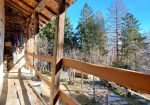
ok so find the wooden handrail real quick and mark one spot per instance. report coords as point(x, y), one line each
point(67, 99)
point(42, 57)
point(131, 79)
point(46, 80)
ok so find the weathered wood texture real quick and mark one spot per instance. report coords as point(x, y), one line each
point(58, 49)
point(35, 32)
point(131, 79)
point(16, 91)
point(48, 8)
point(67, 99)
point(42, 57)
point(128, 78)
point(46, 80)
point(13, 22)
point(26, 31)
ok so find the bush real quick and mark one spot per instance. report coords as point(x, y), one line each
point(118, 64)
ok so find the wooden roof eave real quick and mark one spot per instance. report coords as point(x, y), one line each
point(25, 14)
point(27, 8)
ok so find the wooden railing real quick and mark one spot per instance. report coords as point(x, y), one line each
point(130, 79)
point(66, 98)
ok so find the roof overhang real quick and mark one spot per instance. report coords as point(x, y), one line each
point(47, 9)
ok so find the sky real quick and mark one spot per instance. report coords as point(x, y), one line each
point(139, 8)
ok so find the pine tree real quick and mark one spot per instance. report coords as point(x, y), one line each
point(48, 32)
point(132, 40)
point(86, 31)
point(101, 40)
point(68, 35)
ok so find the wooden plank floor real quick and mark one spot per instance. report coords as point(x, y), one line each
point(16, 91)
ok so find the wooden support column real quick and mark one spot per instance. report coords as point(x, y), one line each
point(2, 33)
point(35, 31)
point(58, 51)
point(26, 39)
point(29, 45)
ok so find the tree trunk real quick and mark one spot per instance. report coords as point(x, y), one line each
point(93, 88)
point(82, 82)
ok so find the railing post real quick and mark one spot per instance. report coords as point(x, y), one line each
point(33, 31)
point(26, 40)
point(58, 51)
point(29, 45)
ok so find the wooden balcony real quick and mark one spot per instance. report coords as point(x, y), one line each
point(34, 15)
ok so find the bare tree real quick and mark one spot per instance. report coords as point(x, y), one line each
point(115, 13)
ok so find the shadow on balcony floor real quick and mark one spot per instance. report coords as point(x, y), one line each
point(15, 89)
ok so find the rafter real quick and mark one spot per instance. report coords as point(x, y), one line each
point(41, 24)
point(13, 6)
point(49, 9)
point(68, 2)
point(22, 2)
point(22, 5)
point(44, 10)
point(41, 5)
point(30, 4)
point(39, 8)
point(14, 16)
point(43, 16)
point(43, 20)
point(47, 13)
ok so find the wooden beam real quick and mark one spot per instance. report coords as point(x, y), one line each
point(13, 19)
point(49, 9)
point(26, 31)
point(12, 15)
point(41, 5)
point(20, 10)
point(46, 80)
point(41, 19)
point(68, 2)
point(58, 49)
point(22, 4)
point(47, 13)
point(43, 16)
point(67, 99)
point(131, 79)
point(28, 3)
point(36, 22)
point(41, 24)
point(35, 31)
point(42, 57)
